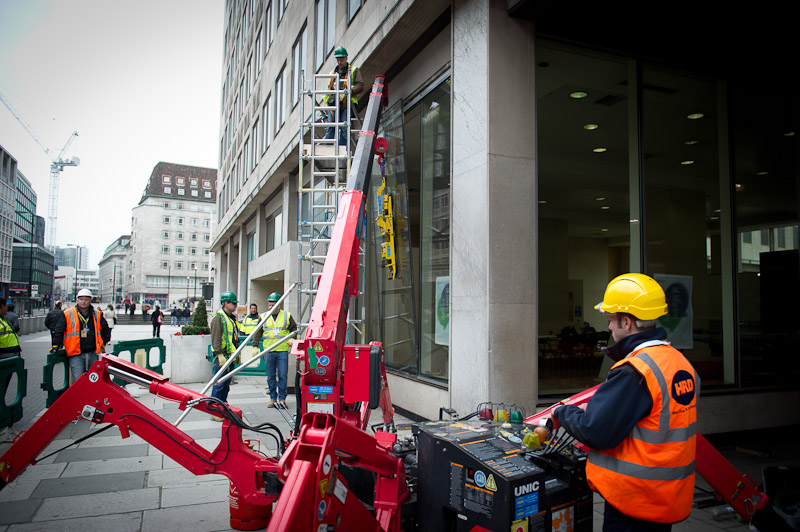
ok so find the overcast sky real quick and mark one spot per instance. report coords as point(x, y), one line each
point(140, 83)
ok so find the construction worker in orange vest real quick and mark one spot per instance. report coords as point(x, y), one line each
point(641, 423)
point(84, 333)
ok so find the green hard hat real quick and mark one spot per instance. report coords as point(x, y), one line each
point(340, 52)
point(273, 297)
point(228, 297)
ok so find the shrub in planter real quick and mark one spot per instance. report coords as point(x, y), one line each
point(199, 321)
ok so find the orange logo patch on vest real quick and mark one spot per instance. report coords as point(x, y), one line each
point(683, 388)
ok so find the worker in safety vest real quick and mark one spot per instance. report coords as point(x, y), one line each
point(224, 341)
point(250, 321)
point(83, 332)
point(347, 74)
point(276, 327)
point(641, 423)
point(9, 341)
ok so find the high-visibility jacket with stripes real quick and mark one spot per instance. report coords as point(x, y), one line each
point(650, 475)
point(249, 324)
point(229, 332)
point(9, 341)
point(72, 336)
point(276, 328)
point(343, 84)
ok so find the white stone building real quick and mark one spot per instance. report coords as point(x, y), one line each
point(112, 270)
point(168, 258)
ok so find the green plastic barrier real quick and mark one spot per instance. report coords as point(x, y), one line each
point(10, 414)
point(53, 393)
point(260, 368)
point(139, 354)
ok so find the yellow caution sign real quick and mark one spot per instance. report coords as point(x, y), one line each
point(491, 485)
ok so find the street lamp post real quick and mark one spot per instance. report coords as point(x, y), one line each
point(187, 288)
point(195, 281)
point(169, 276)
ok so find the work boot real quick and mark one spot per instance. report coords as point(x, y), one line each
point(216, 418)
point(271, 404)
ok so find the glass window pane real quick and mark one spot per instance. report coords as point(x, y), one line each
point(682, 202)
point(435, 233)
point(394, 310)
point(584, 209)
point(765, 198)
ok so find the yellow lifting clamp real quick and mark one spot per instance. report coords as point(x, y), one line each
point(385, 219)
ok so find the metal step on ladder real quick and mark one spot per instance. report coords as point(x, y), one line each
point(323, 170)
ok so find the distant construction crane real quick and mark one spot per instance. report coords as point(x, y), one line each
point(56, 166)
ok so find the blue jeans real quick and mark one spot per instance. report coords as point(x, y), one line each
point(77, 364)
point(342, 129)
point(220, 391)
point(277, 361)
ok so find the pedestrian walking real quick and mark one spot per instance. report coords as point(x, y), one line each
point(157, 321)
point(110, 316)
point(53, 317)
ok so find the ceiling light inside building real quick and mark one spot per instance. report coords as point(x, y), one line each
point(577, 95)
point(789, 134)
point(604, 230)
point(599, 150)
point(687, 162)
point(605, 207)
point(542, 202)
point(762, 173)
point(599, 198)
point(590, 126)
point(739, 187)
point(695, 116)
point(691, 142)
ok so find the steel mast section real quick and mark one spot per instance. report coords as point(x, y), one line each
point(56, 166)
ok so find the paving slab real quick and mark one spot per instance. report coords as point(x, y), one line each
point(118, 465)
point(18, 511)
point(40, 471)
point(97, 504)
point(102, 453)
point(195, 493)
point(174, 477)
point(129, 522)
point(211, 517)
point(19, 490)
point(63, 487)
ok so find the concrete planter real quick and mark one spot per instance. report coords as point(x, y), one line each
point(188, 358)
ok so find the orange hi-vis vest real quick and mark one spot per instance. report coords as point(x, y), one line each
point(650, 475)
point(72, 336)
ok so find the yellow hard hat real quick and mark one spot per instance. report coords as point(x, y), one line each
point(636, 294)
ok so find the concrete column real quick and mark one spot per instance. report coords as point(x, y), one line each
point(494, 220)
point(241, 289)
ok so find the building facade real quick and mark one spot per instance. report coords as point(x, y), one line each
point(112, 270)
point(8, 194)
point(535, 155)
point(168, 258)
point(73, 256)
point(33, 265)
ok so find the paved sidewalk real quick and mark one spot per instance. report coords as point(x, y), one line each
point(110, 483)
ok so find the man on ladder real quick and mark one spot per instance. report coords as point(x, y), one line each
point(347, 74)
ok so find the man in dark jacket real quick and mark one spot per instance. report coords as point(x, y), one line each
point(12, 318)
point(53, 317)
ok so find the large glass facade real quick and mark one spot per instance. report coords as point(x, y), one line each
point(413, 307)
point(688, 177)
point(584, 204)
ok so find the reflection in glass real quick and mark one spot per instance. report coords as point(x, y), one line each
point(584, 222)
